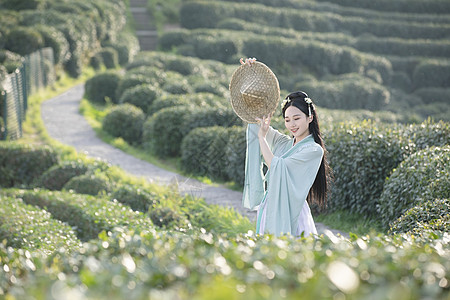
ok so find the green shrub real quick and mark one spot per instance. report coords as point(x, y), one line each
point(165, 217)
point(361, 156)
point(89, 215)
point(132, 80)
point(217, 161)
point(210, 87)
point(102, 86)
point(431, 215)
point(26, 227)
point(136, 198)
point(127, 46)
point(163, 131)
point(194, 150)
point(181, 65)
point(221, 49)
point(126, 121)
point(55, 39)
point(433, 95)
point(428, 134)
point(177, 87)
point(109, 57)
point(96, 61)
point(21, 165)
point(423, 176)
point(432, 73)
point(348, 94)
point(22, 4)
point(24, 40)
point(141, 96)
point(57, 176)
point(210, 116)
point(88, 184)
point(173, 38)
point(234, 154)
point(194, 100)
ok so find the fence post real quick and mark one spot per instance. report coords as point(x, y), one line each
point(5, 114)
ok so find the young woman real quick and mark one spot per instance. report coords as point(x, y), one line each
point(297, 170)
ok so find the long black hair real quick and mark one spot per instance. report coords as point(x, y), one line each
point(318, 192)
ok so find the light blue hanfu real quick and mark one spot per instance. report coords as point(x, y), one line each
point(282, 206)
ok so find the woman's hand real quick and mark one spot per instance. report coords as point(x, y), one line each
point(264, 124)
point(248, 61)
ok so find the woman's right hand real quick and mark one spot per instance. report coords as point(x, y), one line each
point(264, 124)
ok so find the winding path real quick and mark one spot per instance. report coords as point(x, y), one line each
point(65, 124)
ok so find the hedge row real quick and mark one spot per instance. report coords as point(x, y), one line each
point(21, 165)
point(74, 30)
point(196, 14)
point(26, 227)
point(89, 215)
point(280, 53)
point(363, 155)
point(362, 12)
point(371, 44)
point(198, 265)
point(423, 176)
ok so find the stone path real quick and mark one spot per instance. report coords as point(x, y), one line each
point(65, 124)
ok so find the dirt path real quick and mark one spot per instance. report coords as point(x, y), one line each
point(65, 124)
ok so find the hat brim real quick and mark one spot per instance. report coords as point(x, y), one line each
point(254, 91)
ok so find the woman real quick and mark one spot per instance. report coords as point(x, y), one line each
point(297, 170)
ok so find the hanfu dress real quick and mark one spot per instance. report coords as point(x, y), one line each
point(280, 195)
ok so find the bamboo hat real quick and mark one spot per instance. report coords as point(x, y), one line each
point(255, 91)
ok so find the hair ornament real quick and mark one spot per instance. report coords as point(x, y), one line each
point(309, 102)
point(285, 102)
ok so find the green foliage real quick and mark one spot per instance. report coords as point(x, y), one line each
point(22, 4)
point(21, 165)
point(57, 176)
point(136, 198)
point(177, 87)
point(210, 116)
point(126, 45)
point(165, 217)
point(89, 184)
point(55, 39)
point(197, 99)
point(132, 80)
point(348, 93)
point(102, 86)
point(433, 95)
point(423, 176)
point(126, 121)
point(201, 265)
point(432, 73)
point(428, 134)
point(141, 96)
point(195, 149)
point(24, 40)
point(88, 215)
point(431, 215)
point(210, 87)
point(234, 154)
point(361, 156)
point(26, 227)
point(109, 57)
point(163, 131)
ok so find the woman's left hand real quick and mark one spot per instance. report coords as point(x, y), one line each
point(264, 124)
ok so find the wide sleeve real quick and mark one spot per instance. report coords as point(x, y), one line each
point(290, 179)
point(254, 178)
point(277, 140)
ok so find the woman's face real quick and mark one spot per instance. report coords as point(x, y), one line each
point(297, 122)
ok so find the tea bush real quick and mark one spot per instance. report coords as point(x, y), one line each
point(210, 116)
point(57, 176)
point(26, 227)
point(163, 131)
point(109, 57)
point(235, 155)
point(428, 134)
point(210, 87)
point(431, 215)
point(194, 100)
point(165, 217)
point(126, 121)
point(168, 264)
point(177, 87)
point(88, 215)
point(21, 165)
point(423, 176)
point(24, 40)
point(432, 73)
point(102, 86)
point(136, 198)
point(88, 184)
point(141, 96)
point(132, 80)
point(361, 156)
point(194, 149)
point(433, 95)
point(55, 39)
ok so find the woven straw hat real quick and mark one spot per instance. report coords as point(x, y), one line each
point(255, 91)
